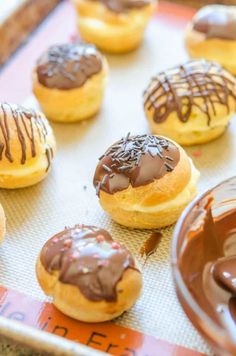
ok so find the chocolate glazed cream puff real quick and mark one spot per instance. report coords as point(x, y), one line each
point(115, 26)
point(91, 277)
point(69, 81)
point(191, 103)
point(145, 181)
point(27, 146)
point(212, 35)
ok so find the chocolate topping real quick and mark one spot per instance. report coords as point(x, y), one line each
point(120, 6)
point(21, 116)
point(208, 258)
point(196, 84)
point(136, 160)
point(216, 22)
point(150, 245)
point(68, 66)
point(87, 257)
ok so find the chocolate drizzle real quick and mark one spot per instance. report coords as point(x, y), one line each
point(196, 84)
point(136, 160)
point(216, 22)
point(27, 124)
point(87, 257)
point(120, 6)
point(68, 66)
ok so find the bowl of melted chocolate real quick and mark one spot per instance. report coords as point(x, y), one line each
point(204, 265)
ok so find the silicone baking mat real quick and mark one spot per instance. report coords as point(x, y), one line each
point(67, 196)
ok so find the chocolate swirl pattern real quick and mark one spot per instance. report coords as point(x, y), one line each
point(120, 6)
point(196, 84)
point(68, 66)
point(87, 257)
point(135, 160)
point(28, 124)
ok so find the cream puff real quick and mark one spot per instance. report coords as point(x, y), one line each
point(115, 26)
point(91, 277)
point(191, 103)
point(27, 146)
point(212, 35)
point(69, 81)
point(2, 223)
point(145, 181)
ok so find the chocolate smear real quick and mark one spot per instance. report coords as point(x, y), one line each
point(151, 244)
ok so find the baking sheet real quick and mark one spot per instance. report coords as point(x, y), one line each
point(67, 196)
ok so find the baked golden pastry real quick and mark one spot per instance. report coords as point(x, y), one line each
point(91, 277)
point(145, 181)
point(27, 146)
point(191, 103)
point(114, 26)
point(212, 35)
point(2, 223)
point(69, 81)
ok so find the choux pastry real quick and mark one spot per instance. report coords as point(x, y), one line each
point(212, 35)
point(114, 26)
point(69, 81)
point(27, 146)
point(191, 103)
point(91, 277)
point(145, 181)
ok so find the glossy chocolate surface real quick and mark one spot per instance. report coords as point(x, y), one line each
point(208, 259)
point(87, 257)
point(28, 124)
point(196, 85)
point(68, 66)
point(136, 161)
point(151, 244)
point(216, 22)
point(119, 6)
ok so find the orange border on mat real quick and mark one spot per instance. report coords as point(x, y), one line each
point(107, 337)
point(167, 9)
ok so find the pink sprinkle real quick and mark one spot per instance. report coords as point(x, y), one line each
point(74, 37)
point(55, 240)
point(197, 153)
point(103, 263)
point(67, 243)
point(115, 245)
point(96, 255)
point(100, 238)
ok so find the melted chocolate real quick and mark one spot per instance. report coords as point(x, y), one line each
point(120, 6)
point(179, 90)
point(68, 66)
point(87, 257)
point(208, 259)
point(28, 124)
point(150, 245)
point(224, 272)
point(216, 22)
point(136, 160)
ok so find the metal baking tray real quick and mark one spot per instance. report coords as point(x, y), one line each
point(67, 196)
